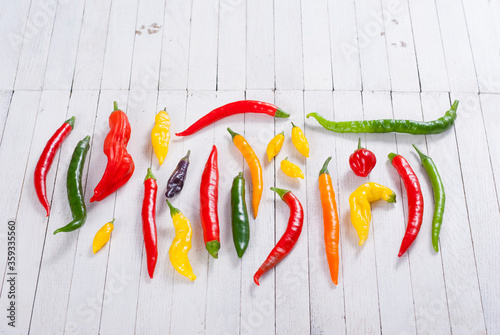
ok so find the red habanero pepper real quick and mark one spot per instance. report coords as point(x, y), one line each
point(362, 161)
point(46, 159)
point(209, 198)
point(415, 200)
point(120, 165)
point(238, 107)
point(289, 238)
point(149, 221)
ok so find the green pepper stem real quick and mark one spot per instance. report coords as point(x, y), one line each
point(282, 133)
point(281, 113)
point(173, 210)
point(281, 192)
point(454, 106)
point(112, 221)
point(186, 158)
point(391, 156)
point(293, 125)
point(240, 175)
point(115, 105)
point(324, 169)
point(71, 122)
point(165, 109)
point(213, 248)
point(359, 143)
point(233, 134)
point(392, 198)
point(86, 139)
point(420, 154)
point(149, 175)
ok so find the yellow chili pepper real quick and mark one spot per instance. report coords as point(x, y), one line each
point(255, 168)
point(290, 169)
point(359, 202)
point(160, 135)
point(181, 244)
point(102, 236)
point(299, 140)
point(275, 145)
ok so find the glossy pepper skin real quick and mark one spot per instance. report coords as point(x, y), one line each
point(176, 181)
point(239, 215)
point(46, 159)
point(275, 145)
point(255, 168)
point(102, 236)
point(209, 200)
point(415, 200)
point(149, 221)
point(330, 220)
point(74, 187)
point(289, 238)
point(120, 165)
point(178, 252)
point(290, 169)
point(233, 108)
point(390, 125)
point(439, 196)
point(160, 135)
point(362, 161)
point(299, 140)
point(359, 202)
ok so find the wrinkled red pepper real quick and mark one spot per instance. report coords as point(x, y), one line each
point(362, 161)
point(149, 221)
point(209, 198)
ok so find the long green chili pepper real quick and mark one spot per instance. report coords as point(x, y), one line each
point(74, 187)
point(390, 125)
point(439, 196)
point(240, 222)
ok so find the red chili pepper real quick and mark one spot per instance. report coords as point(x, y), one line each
point(289, 238)
point(209, 198)
point(149, 221)
point(120, 165)
point(415, 200)
point(46, 159)
point(362, 161)
point(238, 107)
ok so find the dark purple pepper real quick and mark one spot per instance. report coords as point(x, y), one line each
point(176, 181)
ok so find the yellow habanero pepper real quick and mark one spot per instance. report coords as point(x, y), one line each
point(290, 169)
point(102, 236)
point(275, 145)
point(160, 135)
point(181, 244)
point(359, 201)
point(299, 140)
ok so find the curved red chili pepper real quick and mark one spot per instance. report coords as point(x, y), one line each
point(238, 107)
point(289, 238)
point(149, 221)
point(209, 198)
point(415, 200)
point(46, 159)
point(120, 165)
point(362, 161)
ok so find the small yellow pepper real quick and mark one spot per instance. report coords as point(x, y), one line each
point(181, 244)
point(160, 135)
point(359, 201)
point(274, 146)
point(299, 140)
point(290, 169)
point(102, 236)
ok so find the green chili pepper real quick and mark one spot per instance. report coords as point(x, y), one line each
point(390, 125)
point(439, 196)
point(240, 222)
point(74, 187)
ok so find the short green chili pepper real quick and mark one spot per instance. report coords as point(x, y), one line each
point(439, 196)
point(390, 125)
point(240, 222)
point(74, 187)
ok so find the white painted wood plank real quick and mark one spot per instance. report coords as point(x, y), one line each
point(175, 45)
point(344, 45)
point(203, 44)
point(292, 275)
point(12, 28)
point(289, 70)
point(482, 204)
point(316, 45)
point(257, 306)
point(37, 36)
point(147, 45)
point(428, 46)
point(64, 46)
point(120, 45)
point(462, 291)
point(231, 63)
point(260, 45)
point(326, 299)
point(489, 104)
point(5, 99)
point(92, 45)
point(456, 46)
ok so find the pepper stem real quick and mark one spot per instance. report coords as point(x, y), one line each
point(391, 156)
point(213, 248)
point(282, 133)
point(281, 192)
point(359, 143)
point(324, 169)
point(454, 106)
point(86, 139)
point(187, 155)
point(233, 134)
point(149, 175)
point(420, 154)
point(115, 105)
point(112, 221)
point(173, 210)
point(71, 122)
point(240, 175)
point(281, 113)
point(293, 125)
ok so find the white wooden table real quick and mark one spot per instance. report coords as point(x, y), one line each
point(349, 59)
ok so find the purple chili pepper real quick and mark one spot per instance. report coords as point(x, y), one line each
point(176, 180)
